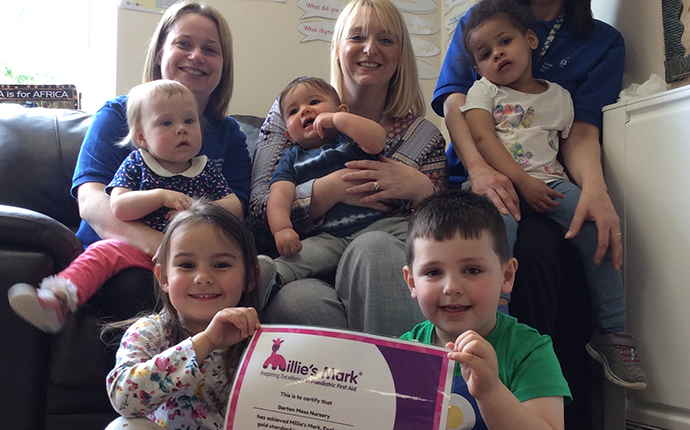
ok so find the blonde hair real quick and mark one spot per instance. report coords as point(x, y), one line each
point(146, 91)
point(404, 93)
point(220, 97)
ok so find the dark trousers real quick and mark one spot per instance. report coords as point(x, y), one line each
point(551, 295)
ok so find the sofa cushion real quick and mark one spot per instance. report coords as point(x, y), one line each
point(39, 148)
point(250, 126)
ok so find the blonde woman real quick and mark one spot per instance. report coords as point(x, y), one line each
point(374, 70)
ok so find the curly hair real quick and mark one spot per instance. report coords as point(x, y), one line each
point(518, 14)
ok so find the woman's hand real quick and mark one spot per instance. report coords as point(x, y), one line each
point(228, 327)
point(582, 155)
point(538, 194)
point(332, 188)
point(487, 181)
point(386, 179)
point(598, 208)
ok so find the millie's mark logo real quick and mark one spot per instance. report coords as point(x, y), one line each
point(276, 360)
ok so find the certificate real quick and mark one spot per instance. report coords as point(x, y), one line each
point(299, 378)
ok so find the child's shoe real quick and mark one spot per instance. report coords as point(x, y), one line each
point(618, 356)
point(40, 307)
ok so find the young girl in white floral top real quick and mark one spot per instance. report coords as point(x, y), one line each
point(175, 367)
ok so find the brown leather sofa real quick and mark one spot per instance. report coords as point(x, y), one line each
point(56, 382)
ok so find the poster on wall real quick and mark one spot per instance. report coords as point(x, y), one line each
point(297, 377)
point(329, 9)
point(418, 25)
point(316, 30)
point(416, 6)
point(455, 10)
point(48, 96)
point(426, 70)
point(156, 6)
point(410, 9)
point(464, 5)
point(422, 48)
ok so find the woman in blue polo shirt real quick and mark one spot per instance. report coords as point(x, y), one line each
point(586, 57)
point(191, 45)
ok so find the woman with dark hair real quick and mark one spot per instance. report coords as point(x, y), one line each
point(586, 57)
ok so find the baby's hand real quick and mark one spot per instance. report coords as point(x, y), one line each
point(538, 195)
point(478, 361)
point(287, 242)
point(230, 326)
point(324, 122)
point(175, 200)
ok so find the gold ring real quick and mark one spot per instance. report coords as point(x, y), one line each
point(377, 186)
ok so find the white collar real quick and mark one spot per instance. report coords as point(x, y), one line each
point(198, 164)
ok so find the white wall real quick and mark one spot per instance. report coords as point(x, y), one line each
point(100, 61)
point(268, 53)
point(639, 21)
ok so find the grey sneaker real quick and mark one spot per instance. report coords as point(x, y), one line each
point(618, 356)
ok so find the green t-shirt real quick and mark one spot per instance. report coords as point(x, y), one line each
point(527, 365)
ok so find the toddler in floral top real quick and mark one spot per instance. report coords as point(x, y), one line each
point(175, 368)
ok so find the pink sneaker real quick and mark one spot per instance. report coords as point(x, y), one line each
point(39, 307)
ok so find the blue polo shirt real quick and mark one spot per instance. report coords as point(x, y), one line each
point(589, 67)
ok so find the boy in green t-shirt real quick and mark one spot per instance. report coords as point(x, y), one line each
point(507, 376)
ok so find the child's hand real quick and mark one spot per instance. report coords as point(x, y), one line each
point(479, 363)
point(538, 195)
point(324, 122)
point(230, 326)
point(287, 242)
point(175, 200)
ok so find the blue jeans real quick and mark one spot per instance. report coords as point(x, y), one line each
point(605, 282)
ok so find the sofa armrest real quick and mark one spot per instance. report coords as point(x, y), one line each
point(32, 246)
point(29, 230)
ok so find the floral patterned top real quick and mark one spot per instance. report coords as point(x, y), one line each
point(164, 382)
